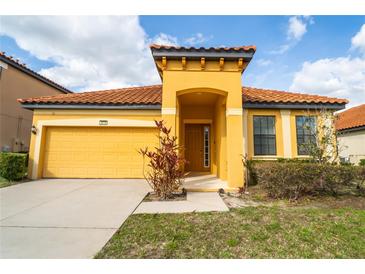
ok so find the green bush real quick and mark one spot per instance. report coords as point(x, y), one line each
point(362, 162)
point(293, 180)
point(13, 166)
point(251, 175)
point(295, 160)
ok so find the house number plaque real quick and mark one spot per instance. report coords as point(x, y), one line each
point(103, 122)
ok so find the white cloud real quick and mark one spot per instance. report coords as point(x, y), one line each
point(282, 49)
point(197, 39)
point(358, 41)
point(342, 77)
point(297, 27)
point(165, 39)
point(91, 52)
point(263, 62)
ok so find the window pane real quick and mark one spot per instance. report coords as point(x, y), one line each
point(206, 146)
point(264, 135)
point(306, 130)
point(256, 125)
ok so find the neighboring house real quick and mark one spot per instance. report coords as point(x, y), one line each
point(97, 134)
point(17, 81)
point(350, 126)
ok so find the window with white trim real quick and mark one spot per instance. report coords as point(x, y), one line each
point(264, 135)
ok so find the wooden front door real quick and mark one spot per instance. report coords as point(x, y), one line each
point(197, 147)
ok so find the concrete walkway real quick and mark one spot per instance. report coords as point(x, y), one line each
point(64, 218)
point(195, 202)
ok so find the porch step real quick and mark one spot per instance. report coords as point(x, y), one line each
point(206, 182)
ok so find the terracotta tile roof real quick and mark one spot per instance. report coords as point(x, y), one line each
point(351, 118)
point(151, 95)
point(202, 49)
point(147, 95)
point(256, 95)
point(22, 66)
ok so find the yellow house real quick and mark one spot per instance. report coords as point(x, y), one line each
point(217, 121)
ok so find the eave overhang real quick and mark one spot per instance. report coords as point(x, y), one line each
point(91, 106)
point(246, 105)
point(318, 106)
point(352, 129)
point(163, 54)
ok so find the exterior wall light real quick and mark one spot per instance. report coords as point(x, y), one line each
point(34, 129)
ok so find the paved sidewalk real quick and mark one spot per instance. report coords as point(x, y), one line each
point(196, 201)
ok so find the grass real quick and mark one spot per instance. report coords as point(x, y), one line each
point(251, 232)
point(5, 183)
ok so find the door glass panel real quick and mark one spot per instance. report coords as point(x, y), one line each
point(206, 147)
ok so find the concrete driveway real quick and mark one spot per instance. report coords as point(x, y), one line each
point(64, 218)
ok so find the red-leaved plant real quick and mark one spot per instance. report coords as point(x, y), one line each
point(165, 175)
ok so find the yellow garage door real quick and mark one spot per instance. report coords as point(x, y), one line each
point(90, 152)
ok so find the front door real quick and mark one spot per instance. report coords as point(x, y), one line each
point(197, 147)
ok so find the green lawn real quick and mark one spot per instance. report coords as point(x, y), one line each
point(4, 182)
point(252, 232)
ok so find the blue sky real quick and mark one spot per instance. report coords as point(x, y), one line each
point(305, 54)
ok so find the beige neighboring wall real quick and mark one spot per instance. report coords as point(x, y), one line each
point(352, 145)
point(15, 121)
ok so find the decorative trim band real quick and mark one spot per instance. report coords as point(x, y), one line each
point(234, 112)
point(168, 111)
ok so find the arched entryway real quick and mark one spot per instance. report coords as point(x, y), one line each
point(202, 130)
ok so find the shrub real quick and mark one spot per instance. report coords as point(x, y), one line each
point(13, 166)
point(362, 162)
point(250, 175)
point(294, 180)
point(165, 175)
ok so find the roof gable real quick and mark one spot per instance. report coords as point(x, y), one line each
point(22, 67)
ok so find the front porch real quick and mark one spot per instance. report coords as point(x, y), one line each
point(211, 140)
point(205, 181)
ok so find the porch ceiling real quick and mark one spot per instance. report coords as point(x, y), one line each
point(198, 98)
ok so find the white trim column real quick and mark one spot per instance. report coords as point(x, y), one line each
point(285, 121)
point(245, 131)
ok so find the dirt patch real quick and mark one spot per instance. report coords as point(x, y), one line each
point(152, 197)
point(255, 196)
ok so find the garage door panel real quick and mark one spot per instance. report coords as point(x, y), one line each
point(83, 152)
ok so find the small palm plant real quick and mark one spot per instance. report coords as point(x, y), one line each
point(164, 175)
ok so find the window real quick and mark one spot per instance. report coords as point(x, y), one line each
point(264, 135)
point(206, 146)
point(306, 133)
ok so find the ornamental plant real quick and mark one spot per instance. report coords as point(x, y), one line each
point(164, 175)
point(13, 166)
point(324, 149)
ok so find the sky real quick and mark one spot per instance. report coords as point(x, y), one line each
point(322, 55)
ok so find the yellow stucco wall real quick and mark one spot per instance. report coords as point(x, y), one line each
point(226, 84)
point(280, 128)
